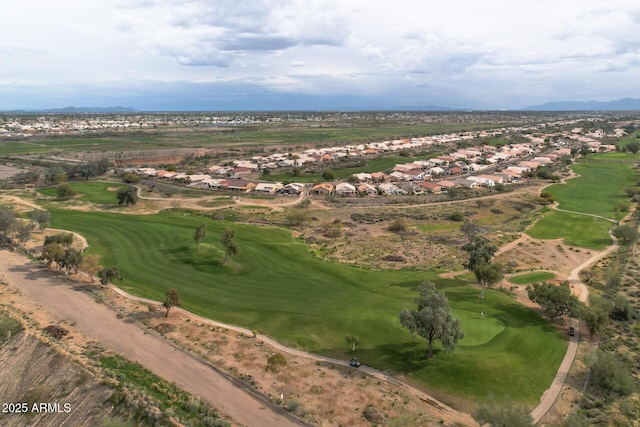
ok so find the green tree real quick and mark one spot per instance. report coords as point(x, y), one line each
point(171, 299)
point(64, 191)
point(610, 377)
point(71, 260)
point(275, 363)
point(555, 300)
point(596, 319)
point(200, 234)
point(480, 251)
point(470, 229)
point(400, 225)
point(52, 252)
point(622, 308)
point(41, 218)
point(353, 340)
point(227, 241)
point(107, 275)
point(433, 319)
point(131, 178)
point(64, 239)
point(297, 217)
point(503, 414)
point(487, 274)
point(329, 175)
point(633, 147)
point(7, 220)
point(127, 196)
point(479, 262)
point(90, 265)
point(23, 232)
point(626, 232)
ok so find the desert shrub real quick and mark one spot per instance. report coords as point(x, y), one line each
point(393, 258)
point(399, 225)
point(56, 332)
point(457, 216)
point(610, 377)
point(374, 415)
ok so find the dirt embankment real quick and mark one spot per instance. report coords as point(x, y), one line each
point(48, 385)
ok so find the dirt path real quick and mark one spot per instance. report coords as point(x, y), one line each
point(549, 397)
point(119, 335)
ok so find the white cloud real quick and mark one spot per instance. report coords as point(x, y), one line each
point(494, 53)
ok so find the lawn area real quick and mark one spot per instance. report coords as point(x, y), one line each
point(599, 188)
point(275, 286)
point(576, 229)
point(101, 193)
point(534, 277)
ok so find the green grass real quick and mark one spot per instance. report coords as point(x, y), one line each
point(8, 327)
point(249, 135)
point(275, 286)
point(534, 277)
point(93, 192)
point(598, 189)
point(575, 229)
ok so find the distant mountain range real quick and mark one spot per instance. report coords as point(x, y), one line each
point(78, 110)
point(625, 104)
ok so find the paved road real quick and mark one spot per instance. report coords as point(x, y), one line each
point(101, 324)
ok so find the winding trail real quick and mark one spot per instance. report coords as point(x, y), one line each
point(551, 394)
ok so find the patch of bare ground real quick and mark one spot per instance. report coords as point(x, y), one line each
point(533, 254)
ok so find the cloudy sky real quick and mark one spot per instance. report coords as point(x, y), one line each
point(317, 54)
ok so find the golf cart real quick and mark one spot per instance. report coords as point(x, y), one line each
point(354, 362)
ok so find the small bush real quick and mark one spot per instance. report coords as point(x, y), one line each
point(56, 332)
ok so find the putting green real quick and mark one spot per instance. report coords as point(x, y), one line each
point(478, 330)
point(533, 277)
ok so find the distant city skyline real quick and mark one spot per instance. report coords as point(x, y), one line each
point(178, 55)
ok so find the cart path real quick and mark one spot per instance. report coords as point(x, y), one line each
point(98, 322)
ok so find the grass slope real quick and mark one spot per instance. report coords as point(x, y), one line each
point(100, 193)
point(598, 189)
point(275, 285)
point(575, 229)
point(536, 276)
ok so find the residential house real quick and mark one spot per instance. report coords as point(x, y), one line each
point(363, 177)
point(367, 189)
point(345, 189)
point(431, 187)
point(467, 183)
point(415, 175)
point(380, 177)
point(293, 188)
point(267, 187)
point(485, 182)
point(240, 185)
point(390, 189)
point(324, 188)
